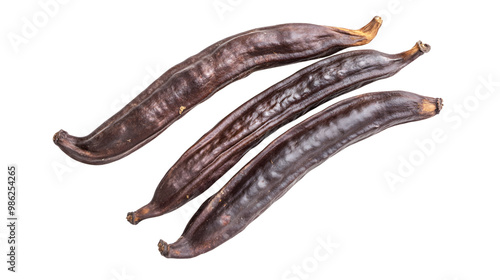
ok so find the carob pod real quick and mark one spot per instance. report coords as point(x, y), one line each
point(288, 158)
point(199, 77)
point(226, 143)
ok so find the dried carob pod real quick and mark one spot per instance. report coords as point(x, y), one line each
point(226, 143)
point(193, 81)
point(288, 158)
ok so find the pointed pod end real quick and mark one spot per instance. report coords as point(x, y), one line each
point(363, 35)
point(374, 24)
point(163, 248)
point(78, 149)
point(377, 19)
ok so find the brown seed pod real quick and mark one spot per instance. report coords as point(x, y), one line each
point(193, 81)
point(288, 158)
point(226, 143)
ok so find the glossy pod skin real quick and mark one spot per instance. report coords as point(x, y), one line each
point(226, 143)
point(193, 81)
point(288, 158)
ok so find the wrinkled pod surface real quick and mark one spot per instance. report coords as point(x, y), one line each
point(269, 175)
point(226, 143)
point(191, 82)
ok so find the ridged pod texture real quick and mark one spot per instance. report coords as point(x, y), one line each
point(199, 77)
point(226, 143)
point(288, 158)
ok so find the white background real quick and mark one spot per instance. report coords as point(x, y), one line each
point(86, 59)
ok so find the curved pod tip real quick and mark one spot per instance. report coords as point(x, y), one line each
point(375, 23)
point(59, 135)
point(431, 106)
point(367, 32)
point(163, 248)
point(425, 48)
point(371, 29)
point(64, 141)
point(417, 50)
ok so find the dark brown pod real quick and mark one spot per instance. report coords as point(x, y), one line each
point(191, 82)
point(288, 158)
point(226, 143)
